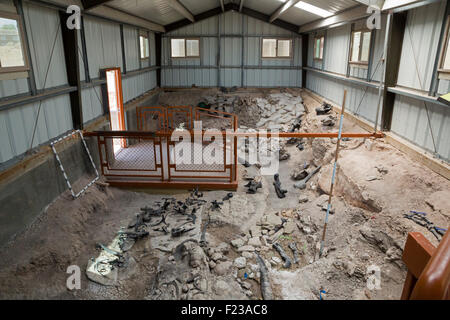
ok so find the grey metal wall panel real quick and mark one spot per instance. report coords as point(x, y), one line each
point(43, 26)
point(240, 39)
point(203, 77)
point(337, 49)
point(17, 125)
point(258, 27)
point(204, 27)
point(13, 87)
point(409, 120)
point(358, 103)
point(231, 23)
point(423, 26)
point(131, 48)
point(92, 103)
point(231, 51)
point(103, 45)
point(444, 86)
point(270, 78)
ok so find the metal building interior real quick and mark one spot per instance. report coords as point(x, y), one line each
point(225, 149)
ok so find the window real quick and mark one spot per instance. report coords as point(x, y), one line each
point(360, 47)
point(143, 42)
point(318, 47)
point(276, 48)
point(444, 60)
point(12, 52)
point(185, 48)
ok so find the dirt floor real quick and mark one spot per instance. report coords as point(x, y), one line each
point(376, 185)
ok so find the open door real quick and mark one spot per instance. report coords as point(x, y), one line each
point(115, 103)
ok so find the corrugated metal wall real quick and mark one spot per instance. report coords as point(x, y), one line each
point(240, 55)
point(103, 45)
point(409, 119)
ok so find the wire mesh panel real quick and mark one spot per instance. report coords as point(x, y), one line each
point(200, 155)
point(168, 148)
point(151, 118)
point(217, 120)
point(179, 117)
point(132, 157)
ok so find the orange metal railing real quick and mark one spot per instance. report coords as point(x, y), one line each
point(428, 275)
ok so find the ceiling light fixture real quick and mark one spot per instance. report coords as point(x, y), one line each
point(313, 9)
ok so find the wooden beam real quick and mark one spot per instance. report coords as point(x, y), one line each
point(181, 9)
point(222, 6)
point(350, 15)
point(70, 42)
point(89, 4)
point(393, 54)
point(241, 5)
point(285, 7)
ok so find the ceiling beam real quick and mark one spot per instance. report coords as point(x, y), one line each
point(241, 5)
point(285, 7)
point(346, 16)
point(222, 5)
point(176, 5)
point(232, 7)
point(124, 17)
point(89, 4)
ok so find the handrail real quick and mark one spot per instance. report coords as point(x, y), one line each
point(267, 134)
point(434, 281)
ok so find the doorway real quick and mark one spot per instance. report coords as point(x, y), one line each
point(115, 103)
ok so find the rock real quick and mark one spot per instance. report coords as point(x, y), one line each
point(440, 201)
point(240, 262)
point(217, 256)
point(325, 208)
point(246, 248)
point(255, 231)
point(223, 268)
point(255, 241)
point(381, 169)
point(393, 254)
point(289, 227)
point(247, 255)
point(237, 243)
point(221, 287)
point(306, 230)
point(223, 247)
point(275, 260)
point(246, 285)
point(302, 198)
point(251, 173)
point(329, 121)
point(212, 264)
point(371, 178)
point(271, 221)
point(348, 188)
point(319, 149)
point(299, 174)
point(378, 238)
point(197, 257)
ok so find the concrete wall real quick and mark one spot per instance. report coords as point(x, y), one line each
point(419, 45)
point(230, 46)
